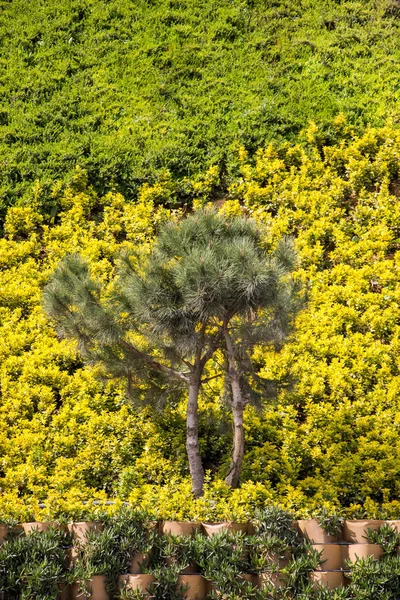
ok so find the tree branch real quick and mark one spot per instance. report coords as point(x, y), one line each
point(212, 348)
point(154, 364)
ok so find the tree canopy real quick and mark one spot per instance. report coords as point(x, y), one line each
point(203, 273)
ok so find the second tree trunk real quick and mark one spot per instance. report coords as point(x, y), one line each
point(232, 479)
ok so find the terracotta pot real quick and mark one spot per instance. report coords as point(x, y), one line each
point(394, 525)
point(80, 530)
point(191, 569)
point(278, 561)
point(34, 526)
point(3, 533)
point(72, 555)
point(196, 586)
point(180, 527)
point(332, 556)
point(64, 593)
point(251, 528)
point(136, 582)
point(295, 525)
point(250, 578)
point(137, 562)
point(213, 528)
point(329, 579)
point(97, 587)
point(354, 551)
point(356, 531)
point(312, 531)
point(276, 579)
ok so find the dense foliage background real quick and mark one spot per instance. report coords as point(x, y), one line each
point(118, 115)
point(128, 89)
point(331, 436)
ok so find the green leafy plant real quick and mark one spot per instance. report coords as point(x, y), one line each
point(222, 558)
point(298, 569)
point(177, 550)
point(386, 537)
point(372, 579)
point(330, 522)
point(265, 553)
point(33, 567)
point(110, 551)
point(275, 522)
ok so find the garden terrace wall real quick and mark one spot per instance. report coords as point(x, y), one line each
point(339, 551)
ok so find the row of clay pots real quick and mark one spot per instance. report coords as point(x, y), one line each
point(334, 555)
point(352, 531)
point(77, 530)
point(80, 530)
point(328, 579)
point(194, 587)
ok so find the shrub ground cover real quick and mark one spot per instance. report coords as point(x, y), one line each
point(329, 438)
point(128, 89)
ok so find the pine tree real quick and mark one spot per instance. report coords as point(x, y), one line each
point(207, 284)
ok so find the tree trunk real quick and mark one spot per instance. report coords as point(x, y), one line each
point(232, 479)
point(192, 436)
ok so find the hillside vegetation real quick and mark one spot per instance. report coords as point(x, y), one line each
point(331, 436)
point(129, 89)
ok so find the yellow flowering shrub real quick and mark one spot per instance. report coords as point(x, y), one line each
point(330, 438)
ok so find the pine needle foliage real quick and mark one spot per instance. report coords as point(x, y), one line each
point(205, 272)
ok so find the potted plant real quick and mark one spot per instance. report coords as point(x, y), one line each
point(178, 550)
point(222, 559)
point(324, 528)
point(298, 572)
point(357, 531)
point(276, 522)
point(187, 528)
point(386, 537)
point(266, 554)
point(134, 586)
point(34, 566)
point(95, 567)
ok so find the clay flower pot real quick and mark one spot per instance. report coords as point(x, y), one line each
point(195, 586)
point(332, 556)
point(139, 582)
point(312, 531)
point(64, 593)
point(356, 531)
point(276, 579)
point(97, 587)
point(250, 578)
point(72, 555)
point(80, 530)
point(3, 533)
point(278, 561)
point(137, 562)
point(354, 551)
point(213, 528)
point(395, 525)
point(329, 579)
point(34, 526)
point(180, 527)
point(191, 569)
